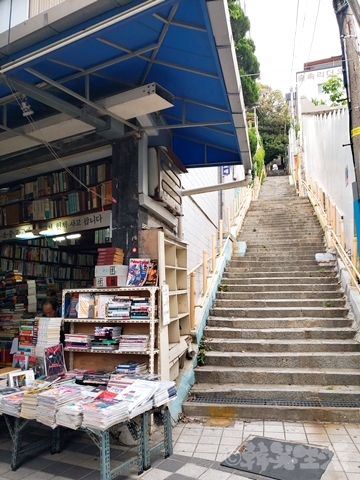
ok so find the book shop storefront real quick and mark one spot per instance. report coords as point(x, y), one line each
point(102, 115)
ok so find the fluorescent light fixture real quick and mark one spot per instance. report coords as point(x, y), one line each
point(72, 236)
point(50, 233)
point(27, 235)
point(59, 239)
point(139, 101)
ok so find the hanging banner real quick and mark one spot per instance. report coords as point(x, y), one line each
point(75, 224)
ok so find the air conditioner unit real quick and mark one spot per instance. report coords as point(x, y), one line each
point(164, 179)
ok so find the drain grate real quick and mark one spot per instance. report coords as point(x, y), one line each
point(275, 402)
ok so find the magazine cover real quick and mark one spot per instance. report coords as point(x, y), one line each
point(54, 360)
point(152, 276)
point(138, 271)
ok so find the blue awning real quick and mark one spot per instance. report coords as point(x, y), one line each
point(184, 46)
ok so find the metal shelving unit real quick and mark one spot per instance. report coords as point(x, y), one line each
point(150, 324)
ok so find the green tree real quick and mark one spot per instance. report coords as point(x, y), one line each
point(334, 87)
point(274, 122)
point(249, 67)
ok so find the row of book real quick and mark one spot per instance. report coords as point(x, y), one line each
point(97, 305)
point(33, 269)
point(59, 182)
point(47, 208)
point(50, 255)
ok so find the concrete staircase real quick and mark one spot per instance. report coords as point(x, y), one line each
point(280, 337)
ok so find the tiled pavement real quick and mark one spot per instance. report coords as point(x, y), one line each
point(199, 449)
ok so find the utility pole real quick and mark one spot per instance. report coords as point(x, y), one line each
point(355, 8)
point(351, 70)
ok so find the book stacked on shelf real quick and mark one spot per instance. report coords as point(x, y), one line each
point(106, 338)
point(73, 308)
point(132, 368)
point(28, 333)
point(110, 256)
point(96, 377)
point(118, 307)
point(134, 342)
point(110, 275)
point(78, 341)
point(31, 297)
point(140, 308)
point(48, 334)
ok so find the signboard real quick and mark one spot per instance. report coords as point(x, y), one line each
point(75, 224)
point(10, 233)
point(165, 305)
point(225, 171)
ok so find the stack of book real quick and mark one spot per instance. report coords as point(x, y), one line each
point(118, 307)
point(140, 307)
point(138, 393)
point(73, 305)
point(110, 256)
point(49, 401)
point(165, 393)
point(11, 404)
point(78, 341)
point(48, 334)
point(28, 332)
point(106, 338)
point(134, 342)
point(131, 368)
point(31, 296)
point(104, 411)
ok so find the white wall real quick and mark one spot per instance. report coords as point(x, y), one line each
point(326, 158)
point(202, 212)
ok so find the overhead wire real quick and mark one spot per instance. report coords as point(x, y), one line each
point(293, 54)
point(47, 144)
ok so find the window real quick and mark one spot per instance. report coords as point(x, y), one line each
point(14, 11)
point(320, 88)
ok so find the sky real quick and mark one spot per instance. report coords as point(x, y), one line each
point(289, 33)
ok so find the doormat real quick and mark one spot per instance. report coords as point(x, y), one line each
point(280, 460)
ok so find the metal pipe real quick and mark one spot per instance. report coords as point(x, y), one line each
point(217, 187)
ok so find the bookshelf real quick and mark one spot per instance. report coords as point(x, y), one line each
point(58, 194)
point(175, 330)
point(95, 356)
point(47, 262)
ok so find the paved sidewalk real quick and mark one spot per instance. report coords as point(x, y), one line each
point(199, 448)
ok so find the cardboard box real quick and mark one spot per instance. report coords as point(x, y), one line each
point(111, 270)
point(110, 281)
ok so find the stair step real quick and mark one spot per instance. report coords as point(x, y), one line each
point(296, 393)
point(261, 274)
point(280, 295)
point(314, 333)
point(280, 280)
point(332, 414)
point(287, 268)
point(285, 322)
point(255, 346)
point(281, 303)
point(279, 312)
point(282, 287)
point(288, 376)
point(287, 360)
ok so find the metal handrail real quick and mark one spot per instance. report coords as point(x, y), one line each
point(216, 258)
point(321, 214)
